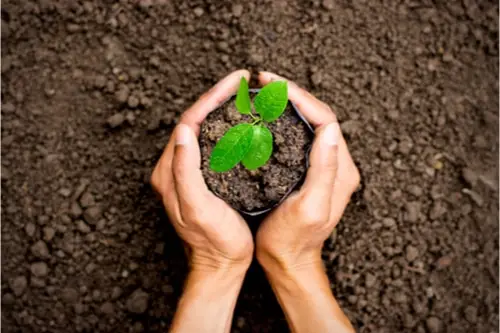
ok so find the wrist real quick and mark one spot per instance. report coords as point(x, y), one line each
point(289, 264)
point(210, 274)
point(211, 264)
point(208, 299)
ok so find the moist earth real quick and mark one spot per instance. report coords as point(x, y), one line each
point(91, 91)
point(255, 190)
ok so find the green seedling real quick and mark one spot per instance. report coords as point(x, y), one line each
point(251, 143)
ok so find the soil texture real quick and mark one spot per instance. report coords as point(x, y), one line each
point(91, 91)
point(256, 190)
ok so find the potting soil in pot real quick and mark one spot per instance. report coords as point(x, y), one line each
point(258, 189)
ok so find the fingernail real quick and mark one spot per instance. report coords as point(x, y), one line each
point(183, 135)
point(331, 134)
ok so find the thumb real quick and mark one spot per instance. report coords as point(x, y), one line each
point(323, 163)
point(189, 183)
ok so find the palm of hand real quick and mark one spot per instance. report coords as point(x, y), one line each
point(218, 236)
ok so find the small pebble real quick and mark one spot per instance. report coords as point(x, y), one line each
point(470, 313)
point(237, 10)
point(75, 210)
point(470, 177)
point(370, 280)
point(433, 325)
point(116, 120)
point(48, 233)
point(389, 222)
point(198, 11)
point(138, 302)
point(39, 269)
point(18, 285)
point(69, 295)
point(40, 250)
point(92, 215)
point(30, 229)
point(87, 200)
point(411, 253)
point(133, 102)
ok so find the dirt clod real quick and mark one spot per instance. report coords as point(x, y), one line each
point(87, 200)
point(40, 250)
point(138, 302)
point(69, 295)
point(30, 229)
point(82, 227)
point(39, 269)
point(92, 214)
point(470, 313)
point(411, 253)
point(116, 120)
point(433, 325)
point(48, 233)
point(18, 285)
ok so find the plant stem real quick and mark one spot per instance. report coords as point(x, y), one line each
point(256, 120)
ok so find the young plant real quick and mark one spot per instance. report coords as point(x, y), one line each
point(251, 143)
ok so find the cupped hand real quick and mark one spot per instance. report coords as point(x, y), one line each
point(216, 235)
point(292, 236)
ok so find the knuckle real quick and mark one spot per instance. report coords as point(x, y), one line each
point(311, 214)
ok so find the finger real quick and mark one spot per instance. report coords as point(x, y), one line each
point(212, 99)
point(163, 183)
point(323, 164)
point(315, 111)
point(188, 179)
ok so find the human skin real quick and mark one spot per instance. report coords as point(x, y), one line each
point(219, 242)
point(290, 239)
point(218, 239)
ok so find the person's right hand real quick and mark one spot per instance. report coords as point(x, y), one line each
point(292, 236)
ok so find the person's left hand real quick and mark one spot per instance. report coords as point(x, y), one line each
point(216, 234)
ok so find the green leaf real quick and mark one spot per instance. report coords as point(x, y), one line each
point(231, 148)
point(260, 150)
point(243, 98)
point(271, 100)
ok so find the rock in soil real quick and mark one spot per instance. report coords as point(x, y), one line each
point(40, 250)
point(92, 214)
point(138, 302)
point(18, 285)
point(39, 269)
point(433, 325)
point(116, 120)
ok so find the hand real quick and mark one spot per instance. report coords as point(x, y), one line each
point(216, 235)
point(293, 234)
point(290, 239)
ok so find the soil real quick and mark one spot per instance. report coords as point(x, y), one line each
point(91, 91)
point(257, 190)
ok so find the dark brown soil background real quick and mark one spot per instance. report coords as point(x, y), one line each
point(259, 189)
point(86, 246)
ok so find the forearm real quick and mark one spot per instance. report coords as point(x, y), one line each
point(208, 301)
point(307, 300)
